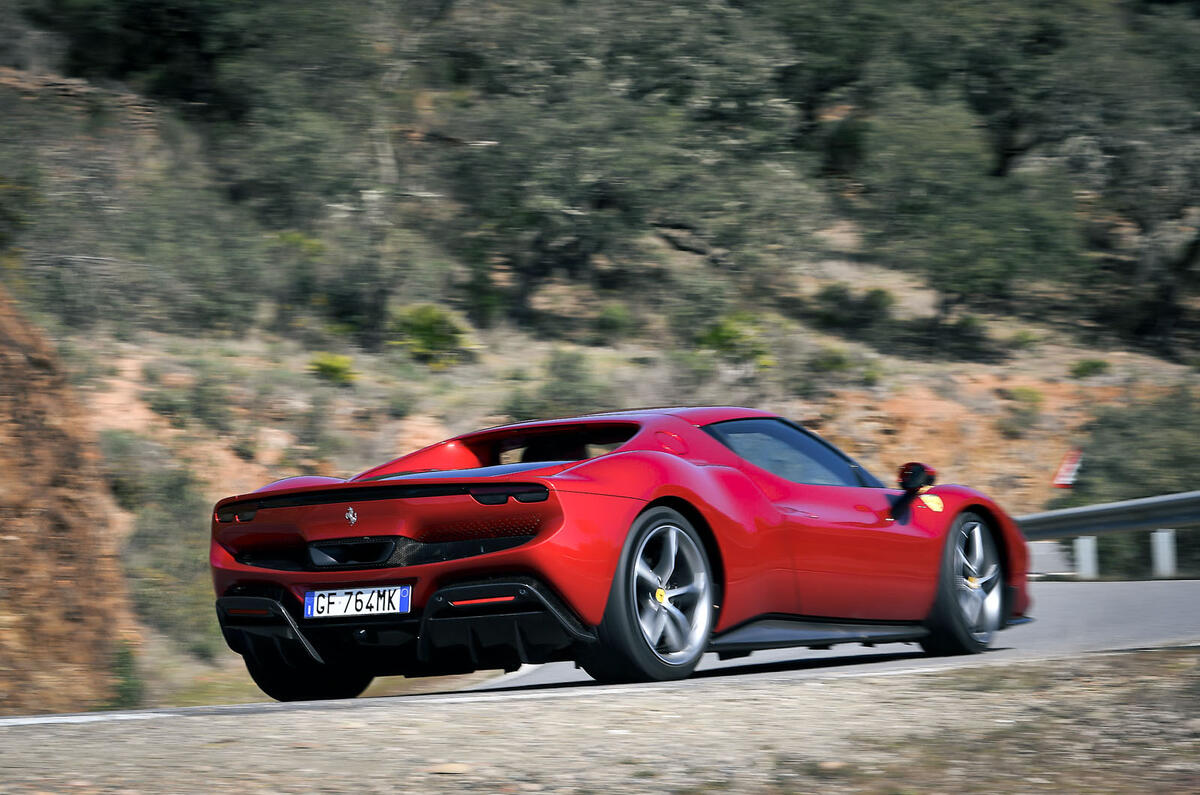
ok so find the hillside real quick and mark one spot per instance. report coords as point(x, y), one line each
point(313, 170)
point(300, 237)
point(66, 617)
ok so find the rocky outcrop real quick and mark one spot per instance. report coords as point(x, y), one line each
point(62, 595)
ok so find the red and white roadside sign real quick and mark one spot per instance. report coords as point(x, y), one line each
point(1064, 478)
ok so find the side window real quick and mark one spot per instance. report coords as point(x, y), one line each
point(785, 451)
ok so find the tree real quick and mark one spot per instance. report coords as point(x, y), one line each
point(933, 207)
point(830, 45)
point(1055, 78)
point(573, 140)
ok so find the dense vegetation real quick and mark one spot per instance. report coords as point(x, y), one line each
point(328, 165)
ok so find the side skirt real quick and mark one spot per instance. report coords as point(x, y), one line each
point(775, 632)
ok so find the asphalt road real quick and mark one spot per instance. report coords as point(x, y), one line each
point(775, 722)
point(1070, 618)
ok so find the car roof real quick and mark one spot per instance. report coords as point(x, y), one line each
point(696, 415)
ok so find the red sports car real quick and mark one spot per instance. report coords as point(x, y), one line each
point(630, 542)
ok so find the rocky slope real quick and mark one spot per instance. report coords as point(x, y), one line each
point(63, 608)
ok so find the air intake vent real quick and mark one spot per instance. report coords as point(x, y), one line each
point(351, 552)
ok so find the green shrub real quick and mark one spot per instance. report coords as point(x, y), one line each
point(844, 146)
point(432, 334)
point(829, 360)
point(208, 401)
point(1025, 396)
point(614, 322)
point(400, 404)
point(128, 687)
point(837, 307)
point(834, 301)
point(152, 372)
point(1022, 413)
point(336, 368)
point(245, 448)
point(969, 337)
point(171, 403)
point(877, 302)
point(1085, 368)
point(736, 338)
point(1023, 340)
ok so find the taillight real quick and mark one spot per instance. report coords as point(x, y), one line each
point(498, 494)
point(227, 515)
point(485, 601)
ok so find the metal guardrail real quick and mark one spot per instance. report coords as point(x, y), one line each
point(1160, 515)
point(1175, 511)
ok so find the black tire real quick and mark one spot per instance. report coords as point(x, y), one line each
point(624, 652)
point(286, 679)
point(963, 590)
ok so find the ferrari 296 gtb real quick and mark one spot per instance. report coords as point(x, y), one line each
point(629, 542)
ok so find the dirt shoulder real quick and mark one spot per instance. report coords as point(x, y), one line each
point(1114, 722)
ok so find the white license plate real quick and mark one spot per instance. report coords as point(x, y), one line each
point(358, 602)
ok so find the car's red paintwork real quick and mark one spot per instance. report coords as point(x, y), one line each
point(779, 547)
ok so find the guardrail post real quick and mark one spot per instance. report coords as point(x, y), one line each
point(1162, 553)
point(1087, 560)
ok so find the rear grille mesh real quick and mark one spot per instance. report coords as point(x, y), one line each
point(474, 529)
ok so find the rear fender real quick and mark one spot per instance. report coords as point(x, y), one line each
point(748, 530)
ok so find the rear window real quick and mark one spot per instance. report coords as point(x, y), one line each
point(556, 443)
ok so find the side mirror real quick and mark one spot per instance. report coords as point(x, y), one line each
point(915, 476)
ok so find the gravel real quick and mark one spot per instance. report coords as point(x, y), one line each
point(1114, 722)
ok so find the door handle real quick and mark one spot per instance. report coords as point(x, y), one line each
point(800, 511)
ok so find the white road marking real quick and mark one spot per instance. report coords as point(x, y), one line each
point(98, 717)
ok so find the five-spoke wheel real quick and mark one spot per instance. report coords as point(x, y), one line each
point(969, 607)
point(660, 610)
point(671, 593)
point(977, 576)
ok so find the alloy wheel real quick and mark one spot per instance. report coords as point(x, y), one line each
point(977, 580)
point(672, 594)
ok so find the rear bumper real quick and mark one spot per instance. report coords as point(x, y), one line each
point(495, 623)
point(575, 556)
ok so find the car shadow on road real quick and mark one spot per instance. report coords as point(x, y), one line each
point(808, 663)
point(746, 669)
